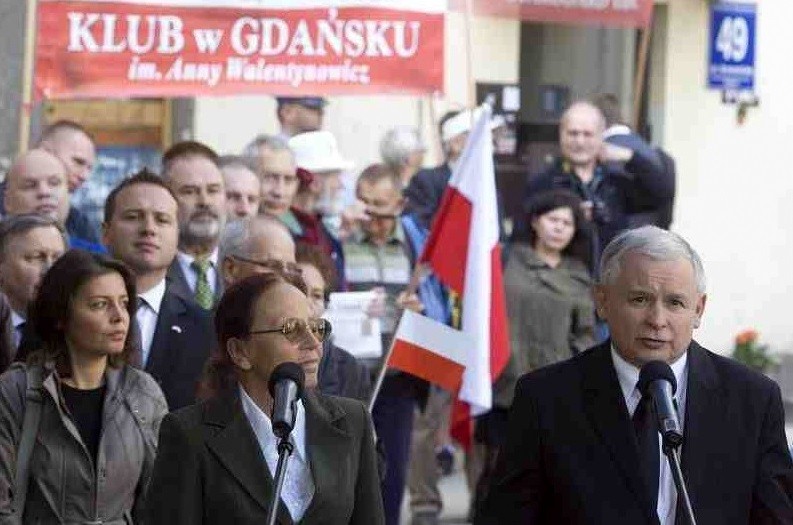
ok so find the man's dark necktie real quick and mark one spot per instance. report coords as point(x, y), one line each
point(649, 453)
point(136, 358)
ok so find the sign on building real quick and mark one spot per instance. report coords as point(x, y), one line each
point(731, 64)
point(148, 48)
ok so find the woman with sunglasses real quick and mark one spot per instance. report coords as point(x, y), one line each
point(78, 424)
point(217, 459)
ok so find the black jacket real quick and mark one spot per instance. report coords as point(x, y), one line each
point(183, 339)
point(210, 468)
point(340, 374)
point(617, 192)
point(424, 193)
point(571, 454)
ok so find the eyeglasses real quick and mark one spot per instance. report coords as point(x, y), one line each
point(293, 328)
point(273, 265)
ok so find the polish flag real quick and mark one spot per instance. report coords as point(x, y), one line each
point(464, 253)
point(430, 350)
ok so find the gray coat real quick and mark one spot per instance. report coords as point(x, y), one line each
point(551, 315)
point(64, 486)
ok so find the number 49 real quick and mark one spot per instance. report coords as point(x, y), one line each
point(733, 39)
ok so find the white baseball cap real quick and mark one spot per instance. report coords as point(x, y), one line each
point(463, 121)
point(317, 151)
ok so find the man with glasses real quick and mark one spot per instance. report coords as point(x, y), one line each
point(174, 334)
point(263, 244)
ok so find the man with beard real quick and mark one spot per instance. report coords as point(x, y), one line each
point(174, 335)
point(191, 171)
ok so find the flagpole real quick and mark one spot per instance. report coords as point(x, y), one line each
point(415, 278)
point(27, 76)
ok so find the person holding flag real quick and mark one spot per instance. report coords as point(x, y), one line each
point(463, 252)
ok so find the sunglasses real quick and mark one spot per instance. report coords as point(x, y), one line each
point(273, 265)
point(295, 329)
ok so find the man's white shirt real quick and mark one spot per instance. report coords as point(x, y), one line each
point(628, 376)
point(146, 315)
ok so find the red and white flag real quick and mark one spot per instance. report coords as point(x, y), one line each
point(430, 350)
point(464, 253)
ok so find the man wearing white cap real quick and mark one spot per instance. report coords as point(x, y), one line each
point(426, 188)
point(318, 201)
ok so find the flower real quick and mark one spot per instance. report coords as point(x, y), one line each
point(746, 337)
point(749, 352)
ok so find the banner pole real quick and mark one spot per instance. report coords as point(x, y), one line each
point(27, 76)
point(469, 52)
point(641, 69)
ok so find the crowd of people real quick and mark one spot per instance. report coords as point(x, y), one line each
point(137, 357)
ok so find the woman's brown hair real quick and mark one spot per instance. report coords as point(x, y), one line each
point(233, 320)
point(50, 310)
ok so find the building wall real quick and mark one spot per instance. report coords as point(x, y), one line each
point(12, 41)
point(735, 187)
point(359, 122)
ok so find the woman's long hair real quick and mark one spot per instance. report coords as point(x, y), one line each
point(50, 311)
point(233, 320)
point(580, 246)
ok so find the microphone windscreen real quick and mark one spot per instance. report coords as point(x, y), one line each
point(289, 371)
point(653, 371)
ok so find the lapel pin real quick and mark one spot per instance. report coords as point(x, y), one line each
point(176, 329)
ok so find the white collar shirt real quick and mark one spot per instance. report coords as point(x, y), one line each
point(19, 323)
point(147, 314)
point(298, 490)
point(628, 376)
point(185, 263)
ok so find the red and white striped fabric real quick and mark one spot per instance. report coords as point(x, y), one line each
point(463, 251)
point(430, 350)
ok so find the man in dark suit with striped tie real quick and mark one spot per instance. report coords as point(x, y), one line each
point(191, 171)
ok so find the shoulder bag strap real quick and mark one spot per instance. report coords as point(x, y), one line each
point(30, 428)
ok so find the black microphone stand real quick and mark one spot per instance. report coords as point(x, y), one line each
point(672, 453)
point(285, 449)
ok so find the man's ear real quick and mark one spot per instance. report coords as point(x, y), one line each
point(229, 268)
point(238, 353)
point(699, 309)
point(600, 300)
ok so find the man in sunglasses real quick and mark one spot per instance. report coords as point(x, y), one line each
point(263, 244)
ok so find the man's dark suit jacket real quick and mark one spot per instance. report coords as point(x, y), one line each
point(424, 193)
point(7, 349)
point(183, 339)
point(210, 468)
point(571, 454)
point(179, 283)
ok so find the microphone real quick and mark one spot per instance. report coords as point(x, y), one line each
point(286, 387)
point(657, 380)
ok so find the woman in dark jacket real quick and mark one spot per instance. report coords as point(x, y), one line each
point(216, 459)
point(549, 304)
point(88, 419)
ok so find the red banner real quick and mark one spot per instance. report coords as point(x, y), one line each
point(135, 48)
point(625, 13)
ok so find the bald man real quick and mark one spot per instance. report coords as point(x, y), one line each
point(606, 177)
point(73, 145)
point(262, 244)
point(36, 183)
